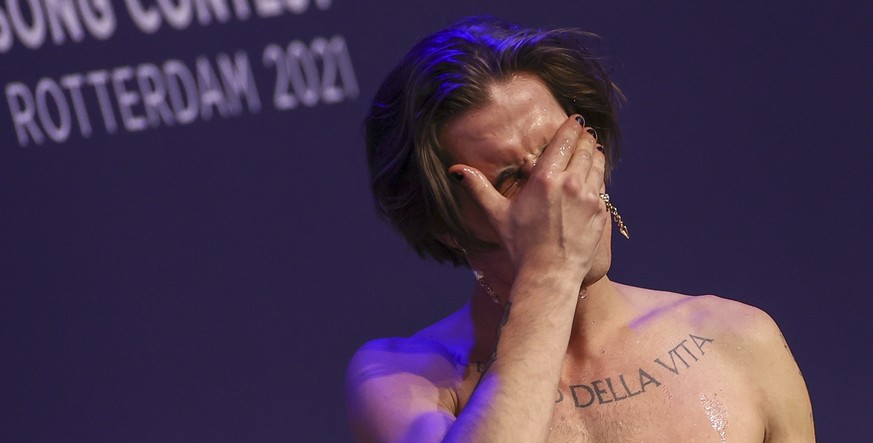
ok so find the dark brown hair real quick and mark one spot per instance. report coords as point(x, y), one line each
point(447, 74)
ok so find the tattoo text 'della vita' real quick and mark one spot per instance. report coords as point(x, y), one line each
point(613, 389)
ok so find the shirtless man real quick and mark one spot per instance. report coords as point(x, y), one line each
point(488, 147)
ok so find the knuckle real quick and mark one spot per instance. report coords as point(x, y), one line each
point(599, 165)
point(592, 198)
point(570, 131)
point(600, 159)
point(599, 173)
point(574, 185)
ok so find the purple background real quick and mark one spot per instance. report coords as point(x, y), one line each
point(209, 282)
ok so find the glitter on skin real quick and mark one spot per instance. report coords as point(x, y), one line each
point(717, 415)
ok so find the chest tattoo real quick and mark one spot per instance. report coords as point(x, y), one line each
point(624, 386)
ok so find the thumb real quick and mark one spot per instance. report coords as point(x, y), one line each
point(479, 189)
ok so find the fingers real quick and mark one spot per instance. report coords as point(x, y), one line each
point(597, 171)
point(588, 160)
point(585, 153)
point(479, 189)
point(560, 150)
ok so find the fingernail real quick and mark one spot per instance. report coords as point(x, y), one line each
point(581, 120)
point(592, 132)
point(600, 147)
point(457, 176)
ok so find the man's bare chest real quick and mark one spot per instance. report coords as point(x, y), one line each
point(694, 409)
point(681, 389)
point(686, 391)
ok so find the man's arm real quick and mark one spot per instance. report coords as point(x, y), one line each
point(787, 409)
point(396, 391)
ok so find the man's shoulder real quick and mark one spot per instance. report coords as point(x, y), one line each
point(441, 343)
point(389, 379)
point(414, 356)
point(745, 351)
point(729, 319)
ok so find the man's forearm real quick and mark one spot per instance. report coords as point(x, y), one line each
point(515, 398)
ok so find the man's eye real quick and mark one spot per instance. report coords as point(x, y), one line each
point(511, 185)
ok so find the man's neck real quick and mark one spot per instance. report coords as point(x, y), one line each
point(601, 312)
